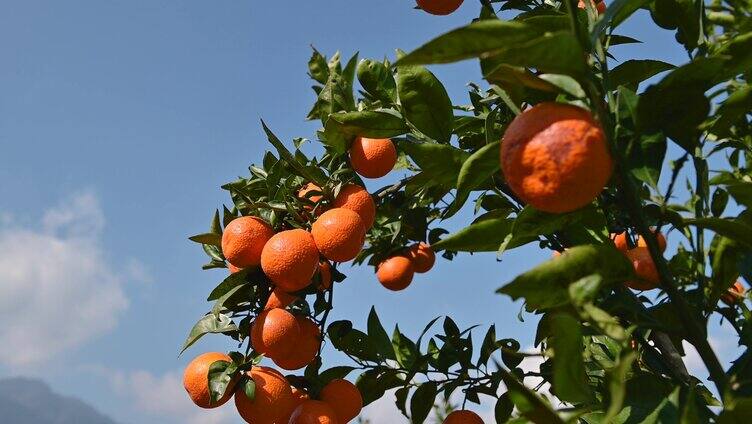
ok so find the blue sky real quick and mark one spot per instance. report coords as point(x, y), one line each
point(119, 121)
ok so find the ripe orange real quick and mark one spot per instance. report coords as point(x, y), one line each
point(599, 6)
point(439, 7)
point(196, 380)
point(306, 346)
point(279, 299)
point(275, 332)
point(243, 240)
point(644, 269)
point(659, 236)
point(339, 234)
point(371, 157)
point(733, 294)
point(314, 412)
point(304, 191)
point(463, 417)
point(422, 256)
point(396, 273)
point(290, 259)
point(344, 397)
point(358, 200)
point(325, 275)
point(554, 157)
point(273, 402)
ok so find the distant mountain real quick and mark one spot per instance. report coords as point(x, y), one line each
point(28, 401)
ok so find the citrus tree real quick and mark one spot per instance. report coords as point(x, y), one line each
point(558, 148)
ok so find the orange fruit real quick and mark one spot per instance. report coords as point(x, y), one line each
point(273, 402)
point(279, 299)
point(339, 234)
point(306, 346)
point(620, 241)
point(439, 7)
point(325, 275)
point(659, 236)
point(314, 412)
point(358, 200)
point(275, 332)
point(396, 273)
point(422, 256)
point(373, 157)
point(644, 269)
point(243, 240)
point(463, 417)
point(196, 380)
point(290, 259)
point(599, 6)
point(304, 191)
point(344, 397)
point(733, 294)
point(554, 157)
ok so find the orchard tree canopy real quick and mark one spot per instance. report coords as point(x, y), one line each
point(561, 146)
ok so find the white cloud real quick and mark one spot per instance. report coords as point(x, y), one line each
point(164, 397)
point(57, 290)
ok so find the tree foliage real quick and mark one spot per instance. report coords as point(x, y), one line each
point(610, 355)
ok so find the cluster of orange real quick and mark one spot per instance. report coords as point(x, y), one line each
point(445, 7)
point(396, 272)
point(275, 400)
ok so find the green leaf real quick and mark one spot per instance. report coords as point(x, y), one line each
point(565, 84)
point(425, 102)
point(210, 323)
point(616, 377)
point(737, 230)
point(546, 285)
point(616, 13)
point(528, 403)
point(503, 409)
point(677, 112)
point(318, 69)
point(479, 39)
point(738, 414)
point(633, 72)
point(732, 110)
point(233, 280)
point(208, 238)
point(479, 167)
point(378, 336)
point(481, 236)
point(351, 341)
point(373, 383)
point(377, 79)
point(405, 350)
point(249, 388)
point(221, 374)
point(488, 347)
point(422, 402)
point(291, 160)
point(556, 53)
point(603, 321)
point(440, 162)
point(220, 303)
point(646, 158)
point(382, 123)
point(569, 379)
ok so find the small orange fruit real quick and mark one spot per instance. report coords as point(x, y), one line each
point(422, 256)
point(463, 417)
point(645, 269)
point(620, 241)
point(325, 275)
point(275, 332)
point(243, 240)
point(306, 346)
point(344, 397)
point(273, 401)
point(314, 412)
point(279, 299)
point(304, 191)
point(358, 200)
point(196, 380)
point(659, 236)
point(339, 234)
point(554, 157)
point(733, 294)
point(439, 7)
point(599, 6)
point(290, 259)
point(396, 273)
point(372, 157)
